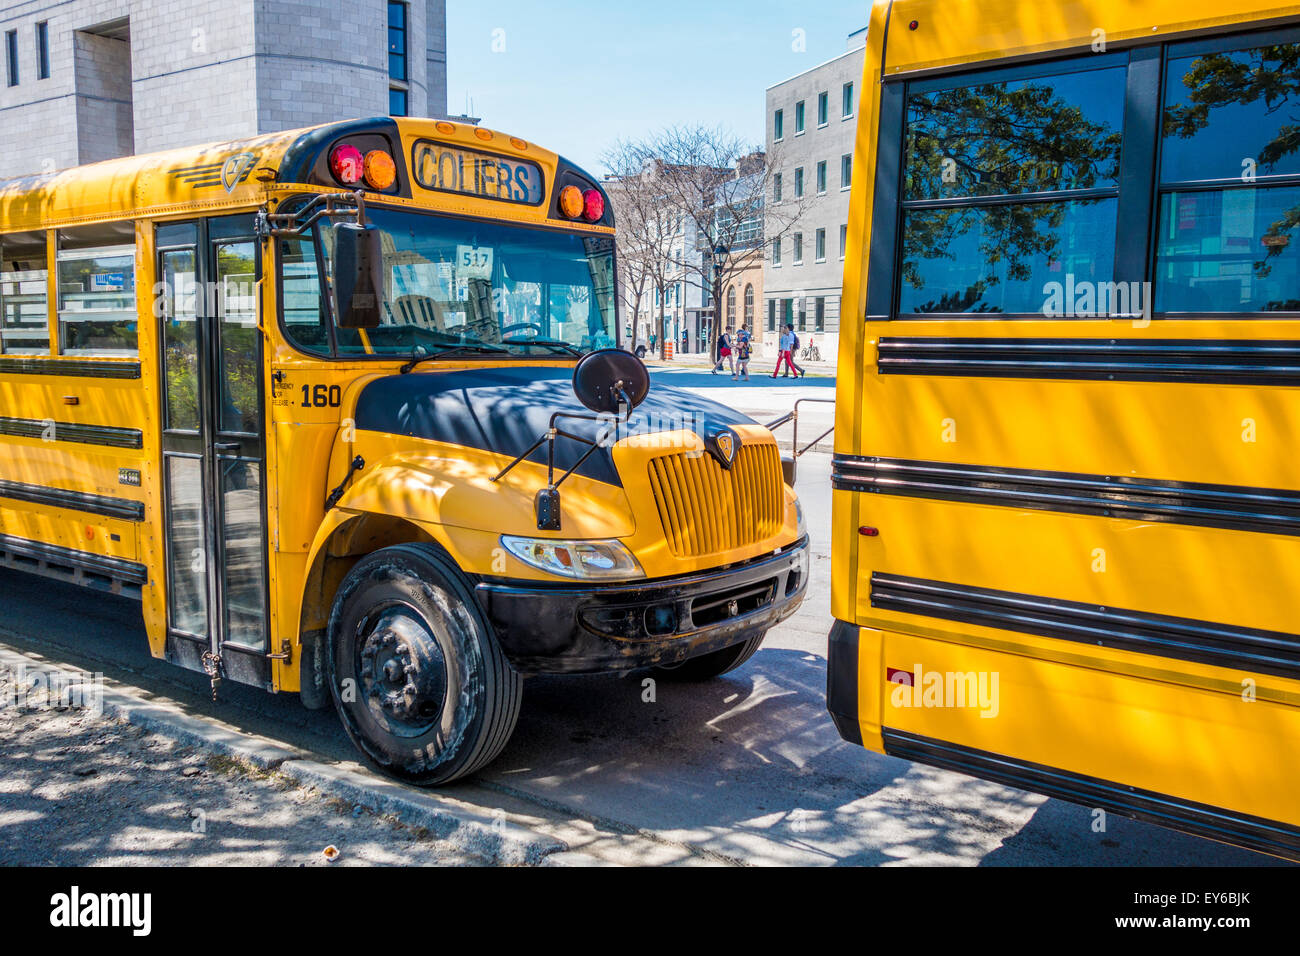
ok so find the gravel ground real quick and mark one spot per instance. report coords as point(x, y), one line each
point(86, 790)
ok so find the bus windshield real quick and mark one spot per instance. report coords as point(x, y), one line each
point(466, 285)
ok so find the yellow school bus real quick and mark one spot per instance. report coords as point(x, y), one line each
point(343, 407)
point(1066, 500)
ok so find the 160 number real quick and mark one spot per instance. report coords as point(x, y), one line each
point(319, 396)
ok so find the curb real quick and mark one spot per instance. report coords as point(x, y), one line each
point(489, 836)
point(486, 835)
point(172, 722)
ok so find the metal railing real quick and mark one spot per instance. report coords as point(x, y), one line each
point(793, 416)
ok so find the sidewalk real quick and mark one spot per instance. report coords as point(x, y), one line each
point(757, 366)
point(82, 789)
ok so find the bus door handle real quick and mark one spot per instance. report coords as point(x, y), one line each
point(226, 447)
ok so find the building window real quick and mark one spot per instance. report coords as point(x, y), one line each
point(821, 177)
point(823, 108)
point(798, 248)
point(43, 50)
point(749, 304)
point(776, 188)
point(11, 57)
point(798, 183)
point(771, 315)
point(820, 247)
point(397, 102)
point(819, 315)
point(847, 108)
point(778, 125)
point(844, 240)
point(846, 171)
point(803, 314)
point(731, 306)
point(397, 42)
point(798, 118)
point(776, 253)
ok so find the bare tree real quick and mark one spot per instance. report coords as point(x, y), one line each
point(723, 188)
point(644, 230)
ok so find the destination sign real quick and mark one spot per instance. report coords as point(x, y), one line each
point(453, 169)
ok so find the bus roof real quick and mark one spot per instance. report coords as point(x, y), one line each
point(951, 34)
point(202, 180)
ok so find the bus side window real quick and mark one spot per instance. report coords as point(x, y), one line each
point(96, 286)
point(303, 295)
point(1229, 125)
point(24, 299)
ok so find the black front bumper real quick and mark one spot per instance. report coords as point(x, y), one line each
point(594, 628)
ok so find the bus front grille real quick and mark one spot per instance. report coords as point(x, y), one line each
point(707, 509)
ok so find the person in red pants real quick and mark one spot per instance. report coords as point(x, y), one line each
point(789, 342)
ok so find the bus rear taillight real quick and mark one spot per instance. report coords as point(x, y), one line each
point(593, 205)
point(347, 164)
point(380, 170)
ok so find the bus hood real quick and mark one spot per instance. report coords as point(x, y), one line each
point(506, 409)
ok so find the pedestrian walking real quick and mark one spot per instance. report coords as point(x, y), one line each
point(789, 343)
point(744, 346)
point(724, 353)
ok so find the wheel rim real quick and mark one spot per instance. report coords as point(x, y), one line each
point(403, 671)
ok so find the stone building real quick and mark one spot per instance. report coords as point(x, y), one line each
point(811, 126)
point(87, 80)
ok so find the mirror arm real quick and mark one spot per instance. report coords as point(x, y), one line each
point(350, 206)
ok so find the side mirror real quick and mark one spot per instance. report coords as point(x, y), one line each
point(358, 275)
point(789, 468)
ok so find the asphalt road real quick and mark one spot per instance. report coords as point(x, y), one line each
point(747, 767)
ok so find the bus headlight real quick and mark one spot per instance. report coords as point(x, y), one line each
point(798, 518)
point(587, 560)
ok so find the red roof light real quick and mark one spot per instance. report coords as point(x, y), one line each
point(593, 205)
point(347, 164)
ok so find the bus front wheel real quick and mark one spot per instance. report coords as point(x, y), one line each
point(714, 664)
point(416, 674)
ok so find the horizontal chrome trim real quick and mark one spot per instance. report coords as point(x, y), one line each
point(1187, 639)
point(71, 368)
point(69, 431)
point(124, 508)
point(116, 568)
point(1201, 819)
point(1264, 510)
point(1242, 362)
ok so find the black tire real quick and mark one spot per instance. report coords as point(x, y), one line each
point(714, 664)
point(431, 698)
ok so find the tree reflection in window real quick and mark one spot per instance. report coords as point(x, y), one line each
point(1002, 152)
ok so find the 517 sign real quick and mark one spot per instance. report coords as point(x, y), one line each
point(321, 396)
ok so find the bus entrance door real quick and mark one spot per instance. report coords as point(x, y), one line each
point(213, 448)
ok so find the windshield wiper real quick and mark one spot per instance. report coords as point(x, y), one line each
point(552, 343)
point(454, 350)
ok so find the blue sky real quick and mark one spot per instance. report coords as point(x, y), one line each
point(576, 75)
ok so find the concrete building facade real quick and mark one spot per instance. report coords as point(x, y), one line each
point(87, 80)
point(811, 126)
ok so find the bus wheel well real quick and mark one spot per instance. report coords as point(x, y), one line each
point(348, 544)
